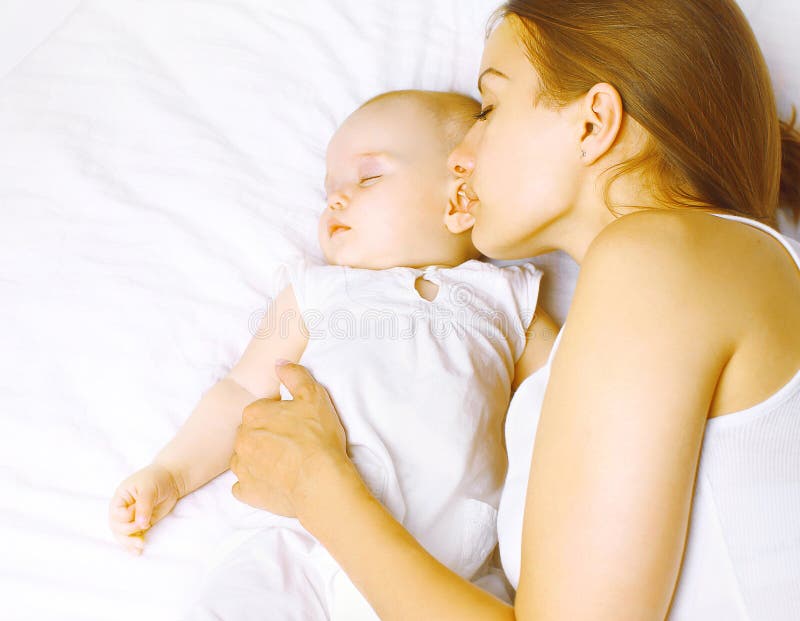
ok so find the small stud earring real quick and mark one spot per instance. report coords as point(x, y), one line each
point(583, 153)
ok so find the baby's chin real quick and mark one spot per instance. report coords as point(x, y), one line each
point(348, 258)
point(340, 256)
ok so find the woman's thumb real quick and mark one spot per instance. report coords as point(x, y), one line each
point(295, 377)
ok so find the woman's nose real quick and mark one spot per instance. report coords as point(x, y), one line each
point(461, 162)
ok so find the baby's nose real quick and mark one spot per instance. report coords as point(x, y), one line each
point(337, 202)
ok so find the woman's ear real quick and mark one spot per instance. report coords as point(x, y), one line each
point(601, 114)
point(458, 221)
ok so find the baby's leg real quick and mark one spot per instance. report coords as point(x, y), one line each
point(270, 575)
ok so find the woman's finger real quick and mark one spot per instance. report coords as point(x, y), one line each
point(267, 415)
point(297, 379)
point(257, 411)
point(236, 490)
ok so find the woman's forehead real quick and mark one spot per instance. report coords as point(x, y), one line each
point(503, 48)
point(504, 56)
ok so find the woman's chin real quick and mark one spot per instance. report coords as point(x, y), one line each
point(486, 244)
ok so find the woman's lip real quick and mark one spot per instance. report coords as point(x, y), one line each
point(466, 202)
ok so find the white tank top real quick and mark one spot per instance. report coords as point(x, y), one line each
point(742, 560)
point(422, 388)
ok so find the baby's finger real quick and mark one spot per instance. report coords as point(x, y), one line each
point(144, 511)
point(133, 545)
point(123, 514)
point(119, 504)
point(136, 544)
point(125, 528)
point(122, 498)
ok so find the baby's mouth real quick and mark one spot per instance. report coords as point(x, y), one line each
point(335, 227)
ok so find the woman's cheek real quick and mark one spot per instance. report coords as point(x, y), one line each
point(487, 231)
point(478, 237)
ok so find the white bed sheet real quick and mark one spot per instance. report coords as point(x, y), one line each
point(24, 24)
point(159, 160)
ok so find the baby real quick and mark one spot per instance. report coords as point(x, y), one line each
point(419, 345)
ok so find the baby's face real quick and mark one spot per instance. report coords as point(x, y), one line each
point(387, 189)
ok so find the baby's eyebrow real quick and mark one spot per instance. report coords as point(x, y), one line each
point(378, 155)
point(379, 160)
point(359, 157)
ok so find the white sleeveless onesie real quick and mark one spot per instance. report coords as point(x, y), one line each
point(742, 560)
point(422, 389)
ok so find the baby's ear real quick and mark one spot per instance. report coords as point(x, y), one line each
point(458, 221)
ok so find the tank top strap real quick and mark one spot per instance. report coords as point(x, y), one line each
point(555, 345)
point(792, 246)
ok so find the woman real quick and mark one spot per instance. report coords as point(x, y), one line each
point(640, 136)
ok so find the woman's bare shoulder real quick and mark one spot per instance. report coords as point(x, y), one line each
point(650, 244)
point(727, 284)
point(694, 248)
point(669, 233)
point(664, 263)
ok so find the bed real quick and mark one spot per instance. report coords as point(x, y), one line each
point(160, 160)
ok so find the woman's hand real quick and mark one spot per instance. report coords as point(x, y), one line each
point(290, 458)
point(286, 450)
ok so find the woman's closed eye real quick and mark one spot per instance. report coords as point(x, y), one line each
point(481, 116)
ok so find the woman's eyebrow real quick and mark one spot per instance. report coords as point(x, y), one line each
point(490, 71)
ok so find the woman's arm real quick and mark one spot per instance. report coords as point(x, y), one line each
point(399, 578)
point(618, 442)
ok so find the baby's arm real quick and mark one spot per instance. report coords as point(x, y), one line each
point(203, 446)
point(541, 334)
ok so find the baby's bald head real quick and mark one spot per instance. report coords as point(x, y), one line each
point(454, 113)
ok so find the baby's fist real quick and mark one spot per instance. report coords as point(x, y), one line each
point(140, 501)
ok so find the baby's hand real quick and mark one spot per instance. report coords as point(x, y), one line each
point(140, 501)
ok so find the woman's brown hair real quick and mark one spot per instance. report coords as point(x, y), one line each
point(692, 74)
